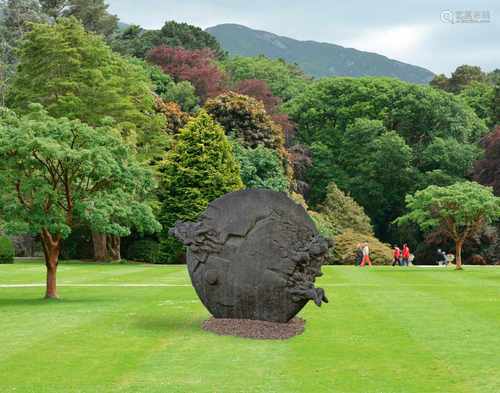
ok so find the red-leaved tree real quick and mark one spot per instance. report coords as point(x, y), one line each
point(487, 170)
point(260, 90)
point(195, 66)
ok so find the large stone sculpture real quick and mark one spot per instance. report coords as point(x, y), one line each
point(254, 254)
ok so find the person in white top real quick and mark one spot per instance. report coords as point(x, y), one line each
point(366, 255)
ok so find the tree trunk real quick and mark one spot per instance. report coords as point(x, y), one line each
point(51, 249)
point(458, 252)
point(100, 249)
point(113, 244)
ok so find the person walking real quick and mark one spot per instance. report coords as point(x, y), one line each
point(397, 256)
point(366, 255)
point(359, 254)
point(406, 254)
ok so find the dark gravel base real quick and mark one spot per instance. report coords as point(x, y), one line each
point(262, 330)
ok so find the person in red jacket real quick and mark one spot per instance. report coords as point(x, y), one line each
point(397, 256)
point(406, 255)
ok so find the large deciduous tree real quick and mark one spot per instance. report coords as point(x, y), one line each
point(55, 172)
point(246, 119)
point(196, 66)
point(460, 211)
point(72, 73)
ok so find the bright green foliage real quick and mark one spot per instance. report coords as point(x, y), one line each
point(246, 119)
point(373, 165)
point(285, 80)
point(480, 97)
point(73, 74)
point(369, 136)
point(261, 168)
point(199, 168)
point(460, 211)
point(7, 251)
point(54, 172)
point(343, 212)
point(418, 113)
point(450, 156)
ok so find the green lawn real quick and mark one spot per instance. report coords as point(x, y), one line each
point(385, 330)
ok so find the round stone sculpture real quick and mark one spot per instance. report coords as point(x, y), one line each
point(254, 254)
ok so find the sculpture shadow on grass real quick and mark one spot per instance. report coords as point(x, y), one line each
point(168, 323)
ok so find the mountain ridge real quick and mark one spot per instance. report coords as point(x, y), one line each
point(317, 59)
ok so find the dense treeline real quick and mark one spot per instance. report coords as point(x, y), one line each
point(203, 124)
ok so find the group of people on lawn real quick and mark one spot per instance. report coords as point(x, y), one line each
point(401, 257)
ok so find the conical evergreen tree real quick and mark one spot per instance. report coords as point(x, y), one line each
point(199, 168)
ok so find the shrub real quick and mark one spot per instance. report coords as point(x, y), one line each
point(144, 250)
point(344, 212)
point(7, 251)
point(345, 248)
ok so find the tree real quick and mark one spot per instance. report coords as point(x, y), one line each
point(285, 80)
point(259, 90)
point(136, 41)
point(182, 93)
point(450, 156)
point(344, 212)
point(74, 74)
point(440, 81)
point(199, 168)
point(481, 97)
point(93, 14)
point(487, 170)
point(55, 172)
point(462, 77)
point(246, 119)
point(261, 168)
point(460, 211)
point(418, 113)
point(195, 66)
point(15, 19)
point(188, 36)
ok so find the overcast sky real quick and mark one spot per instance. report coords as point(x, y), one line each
point(409, 31)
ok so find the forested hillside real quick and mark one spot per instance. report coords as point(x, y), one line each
point(317, 59)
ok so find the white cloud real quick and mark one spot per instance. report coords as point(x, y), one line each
point(399, 42)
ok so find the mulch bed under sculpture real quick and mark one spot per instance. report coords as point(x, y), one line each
point(248, 328)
